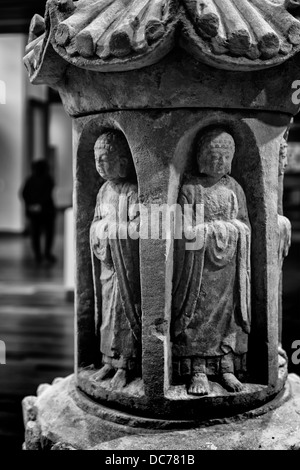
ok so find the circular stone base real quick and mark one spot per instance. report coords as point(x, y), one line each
point(63, 418)
point(188, 410)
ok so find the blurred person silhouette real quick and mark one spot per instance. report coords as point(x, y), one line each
point(40, 210)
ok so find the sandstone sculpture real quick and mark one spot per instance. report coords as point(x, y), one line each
point(119, 289)
point(135, 33)
point(285, 239)
point(211, 313)
point(161, 74)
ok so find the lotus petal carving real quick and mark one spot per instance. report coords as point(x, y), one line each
point(120, 35)
point(250, 29)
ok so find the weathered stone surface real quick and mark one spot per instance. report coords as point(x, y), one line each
point(117, 35)
point(57, 380)
point(42, 388)
point(179, 81)
point(61, 446)
point(69, 427)
point(29, 409)
point(257, 30)
point(211, 310)
point(115, 261)
point(161, 146)
point(159, 76)
point(285, 228)
point(275, 430)
point(36, 29)
point(33, 436)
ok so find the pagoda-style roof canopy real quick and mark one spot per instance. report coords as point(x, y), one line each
point(121, 35)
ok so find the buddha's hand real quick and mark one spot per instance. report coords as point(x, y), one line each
point(99, 241)
point(195, 237)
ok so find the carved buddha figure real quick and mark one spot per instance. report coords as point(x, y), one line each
point(285, 228)
point(285, 237)
point(284, 224)
point(117, 282)
point(211, 285)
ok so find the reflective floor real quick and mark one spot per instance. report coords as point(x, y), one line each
point(36, 323)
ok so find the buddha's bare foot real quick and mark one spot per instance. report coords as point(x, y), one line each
point(119, 380)
point(105, 372)
point(231, 383)
point(199, 385)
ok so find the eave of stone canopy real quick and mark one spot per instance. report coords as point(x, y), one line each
point(273, 31)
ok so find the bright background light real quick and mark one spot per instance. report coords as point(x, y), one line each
point(2, 92)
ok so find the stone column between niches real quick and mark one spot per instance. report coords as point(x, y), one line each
point(260, 181)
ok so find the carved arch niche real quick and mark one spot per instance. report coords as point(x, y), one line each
point(87, 185)
point(255, 168)
point(161, 144)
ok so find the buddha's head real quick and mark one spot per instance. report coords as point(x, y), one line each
point(112, 156)
point(215, 151)
point(283, 157)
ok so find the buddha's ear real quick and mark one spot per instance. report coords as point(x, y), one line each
point(123, 167)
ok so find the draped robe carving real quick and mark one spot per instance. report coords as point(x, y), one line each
point(211, 303)
point(120, 318)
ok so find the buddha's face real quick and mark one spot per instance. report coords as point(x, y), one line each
point(283, 158)
point(214, 157)
point(109, 164)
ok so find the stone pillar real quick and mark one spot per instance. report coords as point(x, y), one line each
point(169, 97)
